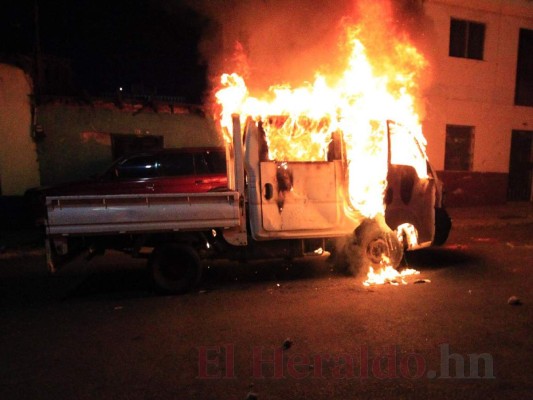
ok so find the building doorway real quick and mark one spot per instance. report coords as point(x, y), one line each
point(520, 166)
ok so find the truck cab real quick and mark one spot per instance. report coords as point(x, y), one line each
point(295, 199)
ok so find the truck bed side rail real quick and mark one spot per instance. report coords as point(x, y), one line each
point(108, 214)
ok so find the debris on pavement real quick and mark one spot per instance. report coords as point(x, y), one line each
point(485, 239)
point(287, 344)
point(514, 301)
point(456, 247)
point(422, 281)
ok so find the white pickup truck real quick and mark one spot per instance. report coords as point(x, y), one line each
point(270, 209)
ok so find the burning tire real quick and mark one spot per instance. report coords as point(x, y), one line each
point(175, 268)
point(377, 245)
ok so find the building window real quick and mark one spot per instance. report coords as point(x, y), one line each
point(467, 39)
point(524, 69)
point(459, 152)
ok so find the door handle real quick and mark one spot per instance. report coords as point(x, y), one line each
point(150, 187)
point(199, 181)
point(269, 191)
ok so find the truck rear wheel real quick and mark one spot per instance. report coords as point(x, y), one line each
point(175, 268)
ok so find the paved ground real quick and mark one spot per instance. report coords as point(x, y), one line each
point(29, 240)
point(499, 215)
point(282, 331)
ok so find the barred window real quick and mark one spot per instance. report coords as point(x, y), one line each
point(459, 151)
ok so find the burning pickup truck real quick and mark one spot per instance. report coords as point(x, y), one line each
point(281, 209)
point(321, 167)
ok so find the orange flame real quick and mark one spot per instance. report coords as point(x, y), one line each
point(357, 102)
point(377, 83)
point(388, 275)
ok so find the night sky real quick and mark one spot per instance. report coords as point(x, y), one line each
point(177, 47)
point(146, 47)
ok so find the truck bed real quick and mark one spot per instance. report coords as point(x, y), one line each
point(111, 214)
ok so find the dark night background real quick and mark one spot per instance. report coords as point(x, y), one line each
point(152, 47)
point(93, 47)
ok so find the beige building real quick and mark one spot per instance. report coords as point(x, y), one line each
point(479, 106)
point(19, 168)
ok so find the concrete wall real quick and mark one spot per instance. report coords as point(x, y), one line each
point(19, 169)
point(77, 142)
point(476, 93)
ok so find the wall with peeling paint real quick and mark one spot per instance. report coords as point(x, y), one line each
point(478, 93)
point(19, 169)
point(77, 138)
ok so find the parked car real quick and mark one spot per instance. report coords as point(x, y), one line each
point(188, 170)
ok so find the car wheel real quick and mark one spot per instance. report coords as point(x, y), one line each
point(175, 268)
point(378, 245)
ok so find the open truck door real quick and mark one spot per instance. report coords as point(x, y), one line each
point(298, 195)
point(293, 199)
point(413, 195)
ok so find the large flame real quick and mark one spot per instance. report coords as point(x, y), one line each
point(357, 101)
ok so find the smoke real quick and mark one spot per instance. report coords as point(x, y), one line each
point(410, 17)
point(280, 41)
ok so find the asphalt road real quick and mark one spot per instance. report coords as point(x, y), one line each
point(276, 330)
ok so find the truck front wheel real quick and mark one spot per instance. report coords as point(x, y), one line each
point(175, 268)
point(378, 245)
